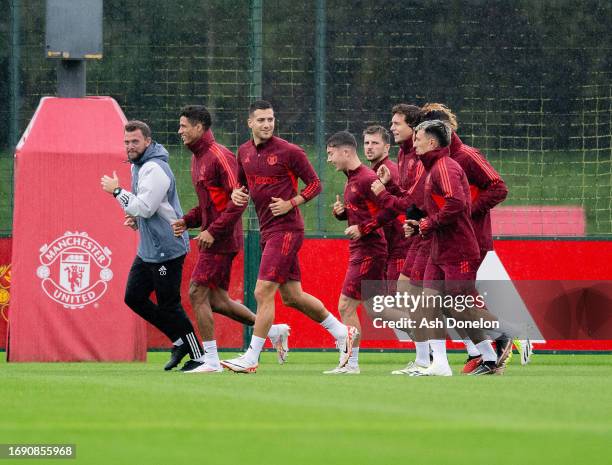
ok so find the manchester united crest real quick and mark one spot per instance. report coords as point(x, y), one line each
point(74, 270)
point(272, 160)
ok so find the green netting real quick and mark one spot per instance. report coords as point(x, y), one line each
point(530, 82)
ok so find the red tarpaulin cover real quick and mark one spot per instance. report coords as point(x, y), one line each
point(71, 253)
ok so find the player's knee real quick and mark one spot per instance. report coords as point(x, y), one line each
point(197, 293)
point(263, 293)
point(290, 299)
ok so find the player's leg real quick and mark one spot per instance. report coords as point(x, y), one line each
point(430, 313)
point(167, 283)
point(347, 308)
point(138, 290)
point(294, 296)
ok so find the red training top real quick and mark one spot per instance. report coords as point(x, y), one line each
point(486, 185)
point(361, 206)
point(447, 203)
point(397, 243)
point(272, 169)
point(214, 173)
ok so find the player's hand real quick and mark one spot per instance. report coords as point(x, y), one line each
point(205, 240)
point(353, 232)
point(425, 227)
point(338, 207)
point(240, 197)
point(179, 227)
point(383, 174)
point(279, 206)
point(411, 227)
point(130, 222)
point(378, 187)
point(110, 184)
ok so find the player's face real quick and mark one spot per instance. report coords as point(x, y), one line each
point(261, 123)
point(337, 156)
point(188, 132)
point(422, 143)
point(401, 130)
point(374, 147)
point(135, 144)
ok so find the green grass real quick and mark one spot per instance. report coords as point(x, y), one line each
point(556, 410)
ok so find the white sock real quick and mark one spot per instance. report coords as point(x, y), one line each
point(178, 342)
point(422, 353)
point(211, 357)
point(335, 328)
point(257, 343)
point(274, 332)
point(354, 358)
point(486, 349)
point(438, 346)
point(472, 350)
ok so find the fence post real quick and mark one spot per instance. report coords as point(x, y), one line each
point(14, 74)
point(252, 252)
point(320, 109)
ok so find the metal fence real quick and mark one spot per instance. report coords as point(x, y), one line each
point(529, 81)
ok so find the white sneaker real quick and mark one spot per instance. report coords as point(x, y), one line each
point(409, 369)
point(525, 348)
point(206, 368)
point(345, 370)
point(345, 344)
point(281, 342)
point(240, 365)
point(434, 370)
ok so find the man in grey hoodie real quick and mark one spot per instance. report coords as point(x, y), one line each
point(150, 207)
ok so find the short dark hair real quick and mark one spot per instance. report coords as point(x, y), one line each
point(412, 114)
point(376, 129)
point(259, 105)
point(437, 129)
point(135, 125)
point(197, 114)
point(342, 138)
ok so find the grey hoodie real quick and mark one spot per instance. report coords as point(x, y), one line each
point(155, 204)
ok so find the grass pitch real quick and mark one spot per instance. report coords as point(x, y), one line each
point(556, 410)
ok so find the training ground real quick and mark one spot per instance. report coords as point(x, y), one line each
point(557, 409)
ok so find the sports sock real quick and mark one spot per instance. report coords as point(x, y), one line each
point(471, 348)
point(335, 328)
point(487, 351)
point(211, 357)
point(438, 346)
point(252, 354)
point(354, 358)
point(178, 342)
point(422, 354)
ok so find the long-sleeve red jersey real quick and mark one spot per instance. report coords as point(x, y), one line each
point(397, 243)
point(448, 207)
point(272, 169)
point(361, 206)
point(486, 186)
point(214, 173)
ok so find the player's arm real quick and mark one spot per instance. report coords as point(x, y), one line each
point(385, 205)
point(448, 183)
point(227, 170)
point(301, 167)
point(492, 189)
point(240, 193)
point(193, 218)
point(153, 185)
